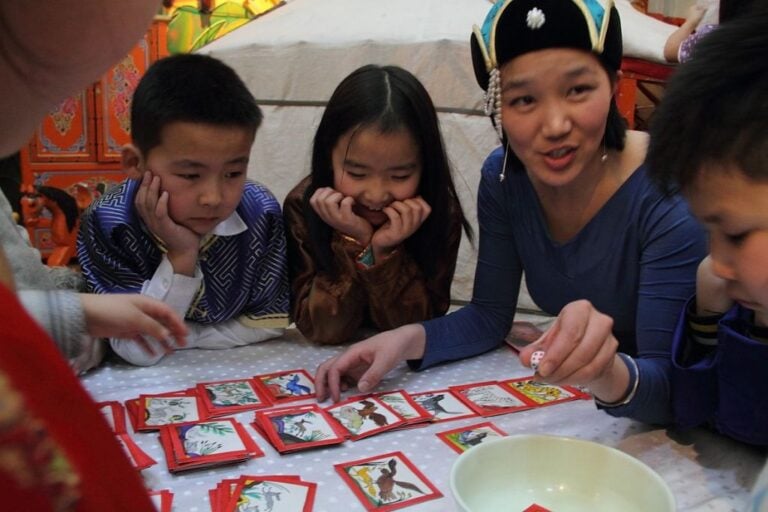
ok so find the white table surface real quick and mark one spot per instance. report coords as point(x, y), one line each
point(705, 472)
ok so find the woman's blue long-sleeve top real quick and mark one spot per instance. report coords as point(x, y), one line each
point(635, 261)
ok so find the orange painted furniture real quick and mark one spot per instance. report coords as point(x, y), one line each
point(76, 149)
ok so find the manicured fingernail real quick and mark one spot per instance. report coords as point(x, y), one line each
point(536, 358)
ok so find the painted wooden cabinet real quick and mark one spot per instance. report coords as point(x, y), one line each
point(75, 152)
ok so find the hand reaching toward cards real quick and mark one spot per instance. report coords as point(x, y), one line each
point(336, 210)
point(133, 316)
point(405, 217)
point(365, 363)
point(711, 295)
point(580, 349)
point(182, 243)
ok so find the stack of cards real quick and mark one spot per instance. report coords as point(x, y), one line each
point(206, 443)
point(287, 493)
point(115, 415)
point(163, 500)
point(150, 412)
point(387, 482)
point(463, 438)
point(364, 416)
point(286, 386)
point(232, 396)
point(290, 429)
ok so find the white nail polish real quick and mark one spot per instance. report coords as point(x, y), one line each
point(536, 358)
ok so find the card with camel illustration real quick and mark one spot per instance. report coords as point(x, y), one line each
point(463, 438)
point(290, 429)
point(364, 416)
point(443, 405)
point(387, 482)
point(541, 394)
point(226, 397)
point(287, 385)
point(490, 398)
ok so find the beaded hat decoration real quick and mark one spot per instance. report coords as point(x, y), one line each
point(516, 27)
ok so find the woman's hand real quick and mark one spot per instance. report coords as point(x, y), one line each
point(133, 316)
point(367, 362)
point(405, 218)
point(580, 349)
point(336, 210)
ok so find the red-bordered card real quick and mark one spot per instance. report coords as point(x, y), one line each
point(115, 415)
point(298, 428)
point(443, 405)
point(163, 500)
point(490, 398)
point(155, 411)
point(364, 416)
point(387, 482)
point(232, 396)
point(541, 394)
point(463, 438)
point(207, 443)
point(262, 492)
point(138, 457)
point(401, 401)
point(287, 386)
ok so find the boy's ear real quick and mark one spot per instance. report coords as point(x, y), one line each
point(132, 160)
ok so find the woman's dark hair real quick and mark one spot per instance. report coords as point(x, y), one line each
point(389, 99)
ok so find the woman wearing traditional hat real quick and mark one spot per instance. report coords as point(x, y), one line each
point(566, 200)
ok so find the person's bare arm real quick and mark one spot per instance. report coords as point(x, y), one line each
point(676, 38)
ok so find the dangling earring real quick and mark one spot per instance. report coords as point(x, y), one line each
point(504, 165)
point(604, 156)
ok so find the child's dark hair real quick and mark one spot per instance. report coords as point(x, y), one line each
point(715, 108)
point(190, 88)
point(387, 98)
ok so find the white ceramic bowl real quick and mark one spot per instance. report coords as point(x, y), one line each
point(559, 473)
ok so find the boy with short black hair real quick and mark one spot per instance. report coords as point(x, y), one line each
point(187, 227)
point(709, 140)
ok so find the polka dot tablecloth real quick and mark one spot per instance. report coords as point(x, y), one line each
point(705, 472)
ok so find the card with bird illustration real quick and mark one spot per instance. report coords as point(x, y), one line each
point(290, 429)
point(463, 438)
point(541, 394)
point(207, 443)
point(387, 482)
point(443, 405)
point(490, 398)
point(151, 412)
point(271, 493)
point(232, 396)
point(287, 385)
point(364, 416)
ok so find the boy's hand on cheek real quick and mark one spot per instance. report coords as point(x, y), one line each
point(405, 218)
point(336, 210)
point(711, 295)
point(181, 242)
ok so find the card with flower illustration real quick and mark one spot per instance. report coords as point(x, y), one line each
point(442, 405)
point(463, 438)
point(387, 482)
point(290, 429)
point(540, 394)
point(232, 396)
point(206, 443)
point(155, 411)
point(402, 402)
point(490, 398)
point(287, 386)
point(272, 493)
point(364, 416)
